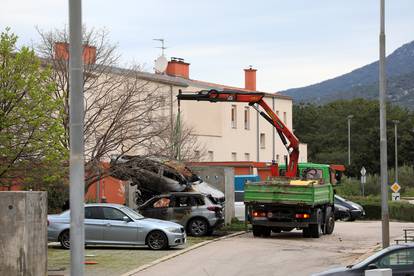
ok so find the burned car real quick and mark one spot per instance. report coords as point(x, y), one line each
point(153, 177)
point(194, 211)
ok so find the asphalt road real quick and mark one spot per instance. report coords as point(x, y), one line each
point(282, 254)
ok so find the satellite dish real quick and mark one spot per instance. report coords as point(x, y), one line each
point(161, 64)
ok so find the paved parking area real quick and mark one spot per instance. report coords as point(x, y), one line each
point(282, 254)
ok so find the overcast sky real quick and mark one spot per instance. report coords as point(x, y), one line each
point(291, 43)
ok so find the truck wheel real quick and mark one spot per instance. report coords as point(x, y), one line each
point(329, 222)
point(266, 231)
point(257, 231)
point(306, 232)
point(276, 230)
point(315, 230)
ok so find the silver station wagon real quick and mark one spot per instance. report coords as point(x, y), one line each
point(115, 224)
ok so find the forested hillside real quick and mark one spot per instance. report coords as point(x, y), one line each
point(363, 82)
point(325, 130)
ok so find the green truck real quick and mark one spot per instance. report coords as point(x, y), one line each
point(305, 202)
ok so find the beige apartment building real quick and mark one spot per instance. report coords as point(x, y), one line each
point(227, 131)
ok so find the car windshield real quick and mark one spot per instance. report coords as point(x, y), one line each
point(340, 198)
point(131, 213)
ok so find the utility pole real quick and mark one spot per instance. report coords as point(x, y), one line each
point(349, 138)
point(383, 133)
point(396, 149)
point(76, 165)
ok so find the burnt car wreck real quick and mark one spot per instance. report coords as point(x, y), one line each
point(153, 177)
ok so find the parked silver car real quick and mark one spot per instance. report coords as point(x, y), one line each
point(117, 225)
point(195, 211)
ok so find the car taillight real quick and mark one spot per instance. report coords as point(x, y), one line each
point(259, 214)
point(214, 208)
point(302, 216)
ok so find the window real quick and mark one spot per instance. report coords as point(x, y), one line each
point(210, 154)
point(247, 156)
point(246, 118)
point(397, 259)
point(234, 116)
point(163, 202)
point(197, 154)
point(113, 214)
point(94, 213)
point(262, 141)
point(233, 156)
point(313, 174)
point(284, 117)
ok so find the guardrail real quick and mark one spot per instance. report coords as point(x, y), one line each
point(408, 236)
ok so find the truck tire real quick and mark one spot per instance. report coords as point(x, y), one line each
point(306, 232)
point(276, 230)
point(329, 222)
point(266, 232)
point(257, 231)
point(315, 230)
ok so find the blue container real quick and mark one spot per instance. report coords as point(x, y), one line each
point(240, 180)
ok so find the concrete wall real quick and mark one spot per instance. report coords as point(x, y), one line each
point(221, 178)
point(23, 235)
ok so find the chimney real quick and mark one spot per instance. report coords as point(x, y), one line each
point(62, 52)
point(250, 78)
point(178, 68)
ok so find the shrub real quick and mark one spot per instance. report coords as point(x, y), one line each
point(398, 210)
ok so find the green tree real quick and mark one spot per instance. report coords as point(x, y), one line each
point(325, 130)
point(30, 151)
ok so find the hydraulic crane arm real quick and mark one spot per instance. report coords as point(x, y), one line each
point(254, 99)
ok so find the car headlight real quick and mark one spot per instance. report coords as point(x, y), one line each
point(174, 230)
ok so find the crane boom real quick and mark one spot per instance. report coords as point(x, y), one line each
point(254, 99)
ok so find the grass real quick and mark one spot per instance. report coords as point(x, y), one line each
point(111, 260)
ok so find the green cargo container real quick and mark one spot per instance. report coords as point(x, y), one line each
point(283, 204)
point(283, 193)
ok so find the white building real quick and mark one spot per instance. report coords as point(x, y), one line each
point(228, 131)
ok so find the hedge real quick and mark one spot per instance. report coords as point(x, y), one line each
point(402, 211)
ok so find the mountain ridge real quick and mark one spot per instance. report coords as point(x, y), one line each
point(363, 82)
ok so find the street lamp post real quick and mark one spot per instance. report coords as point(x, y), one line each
point(349, 138)
point(396, 149)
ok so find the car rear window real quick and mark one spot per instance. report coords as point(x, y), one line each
point(94, 213)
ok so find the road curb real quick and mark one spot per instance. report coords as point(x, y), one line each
point(181, 252)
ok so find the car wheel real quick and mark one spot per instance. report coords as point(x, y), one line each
point(329, 224)
point(347, 218)
point(198, 227)
point(257, 231)
point(157, 240)
point(64, 239)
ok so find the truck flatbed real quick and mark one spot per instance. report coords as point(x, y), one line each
point(283, 193)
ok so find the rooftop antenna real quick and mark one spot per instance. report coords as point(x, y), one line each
point(162, 45)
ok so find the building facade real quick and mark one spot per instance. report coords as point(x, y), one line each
point(227, 131)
